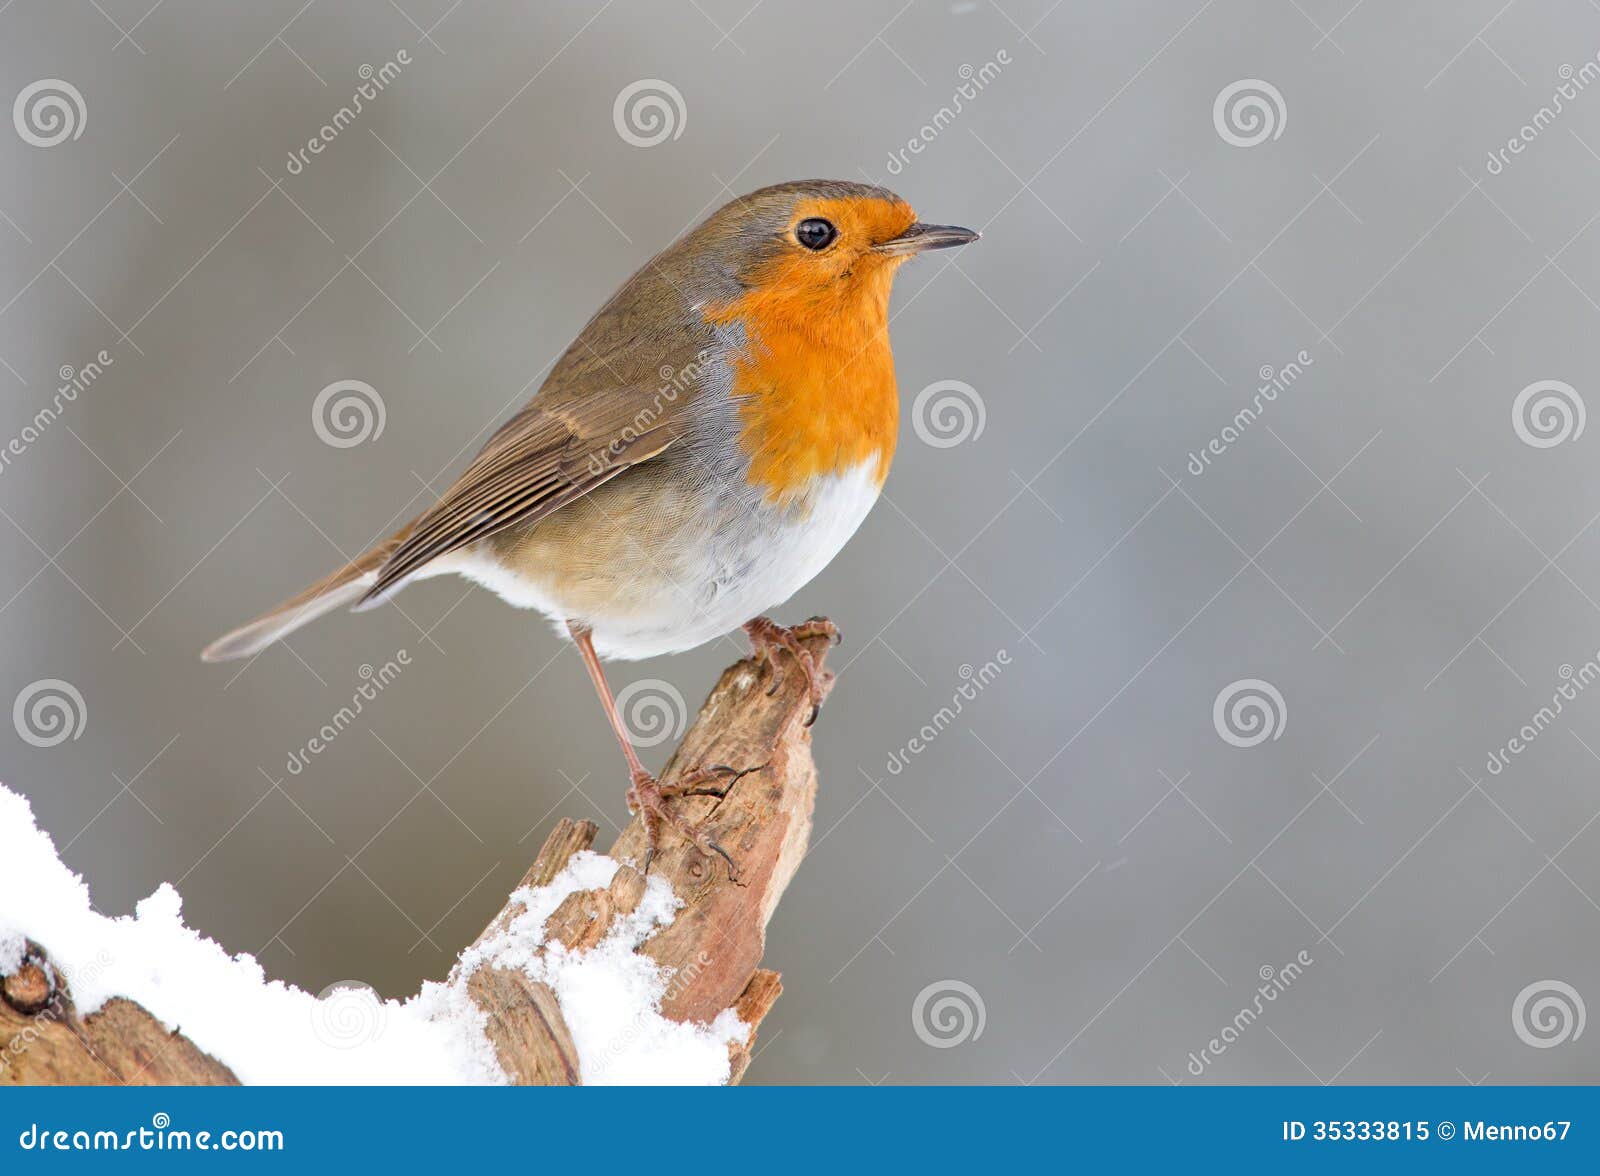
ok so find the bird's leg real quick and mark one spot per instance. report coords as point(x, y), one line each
point(646, 795)
point(767, 635)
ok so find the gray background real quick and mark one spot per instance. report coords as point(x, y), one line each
point(1080, 847)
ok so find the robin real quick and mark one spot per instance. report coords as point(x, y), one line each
point(705, 447)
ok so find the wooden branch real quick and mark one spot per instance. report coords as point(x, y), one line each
point(43, 1041)
point(754, 721)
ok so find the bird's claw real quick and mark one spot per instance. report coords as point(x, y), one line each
point(648, 797)
point(767, 635)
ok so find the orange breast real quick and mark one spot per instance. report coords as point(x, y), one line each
point(816, 382)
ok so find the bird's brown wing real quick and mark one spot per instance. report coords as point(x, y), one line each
point(555, 450)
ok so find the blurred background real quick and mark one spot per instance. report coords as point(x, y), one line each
point(1207, 642)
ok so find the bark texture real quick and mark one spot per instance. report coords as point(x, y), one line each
point(753, 721)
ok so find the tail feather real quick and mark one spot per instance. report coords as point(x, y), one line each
point(345, 586)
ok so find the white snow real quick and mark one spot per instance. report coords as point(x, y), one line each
point(266, 1031)
point(611, 996)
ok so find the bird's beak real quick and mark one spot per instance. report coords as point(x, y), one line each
point(920, 237)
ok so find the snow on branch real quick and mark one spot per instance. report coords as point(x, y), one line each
point(593, 972)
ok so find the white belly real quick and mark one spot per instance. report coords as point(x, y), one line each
point(737, 566)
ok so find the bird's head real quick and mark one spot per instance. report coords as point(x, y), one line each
point(815, 250)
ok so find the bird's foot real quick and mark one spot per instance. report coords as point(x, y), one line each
point(649, 797)
point(767, 635)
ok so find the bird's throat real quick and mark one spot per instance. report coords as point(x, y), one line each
point(816, 388)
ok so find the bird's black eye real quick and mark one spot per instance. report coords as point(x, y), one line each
point(815, 233)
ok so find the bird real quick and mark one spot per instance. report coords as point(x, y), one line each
point(701, 451)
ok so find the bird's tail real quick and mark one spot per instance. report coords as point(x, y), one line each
point(345, 586)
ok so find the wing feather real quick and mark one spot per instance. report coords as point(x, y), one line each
point(542, 459)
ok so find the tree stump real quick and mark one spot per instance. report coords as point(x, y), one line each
point(753, 720)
